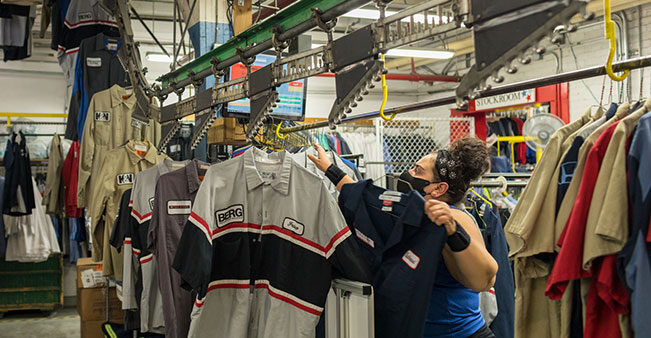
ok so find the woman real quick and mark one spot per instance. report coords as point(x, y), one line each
point(443, 178)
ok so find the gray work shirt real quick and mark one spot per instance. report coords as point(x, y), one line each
point(302, 159)
point(175, 192)
point(260, 246)
point(142, 199)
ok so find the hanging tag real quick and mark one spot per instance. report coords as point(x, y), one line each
point(141, 150)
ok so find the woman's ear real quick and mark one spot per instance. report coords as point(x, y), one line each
point(439, 189)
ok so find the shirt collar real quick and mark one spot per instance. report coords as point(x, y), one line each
point(117, 93)
point(150, 155)
point(253, 179)
point(192, 172)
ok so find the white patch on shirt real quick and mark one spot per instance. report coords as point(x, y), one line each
point(411, 259)
point(124, 179)
point(293, 226)
point(365, 238)
point(103, 116)
point(93, 62)
point(179, 207)
point(85, 16)
point(151, 203)
point(232, 214)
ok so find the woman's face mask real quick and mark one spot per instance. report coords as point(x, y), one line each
point(407, 183)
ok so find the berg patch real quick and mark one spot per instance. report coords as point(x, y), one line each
point(179, 207)
point(293, 226)
point(124, 179)
point(232, 214)
point(103, 116)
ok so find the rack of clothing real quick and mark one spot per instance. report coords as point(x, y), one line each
point(578, 233)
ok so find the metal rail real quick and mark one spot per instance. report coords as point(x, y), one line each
point(636, 63)
point(292, 21)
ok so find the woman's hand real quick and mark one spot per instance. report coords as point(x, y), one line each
point(441, 214)
point(323, 161)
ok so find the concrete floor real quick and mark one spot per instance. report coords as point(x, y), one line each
point(62, 323)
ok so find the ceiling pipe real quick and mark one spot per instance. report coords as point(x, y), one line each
point(412, 77)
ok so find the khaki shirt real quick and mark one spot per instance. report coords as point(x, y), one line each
point(522, 225)
point(53, 195)
point(607, 224)
point(573, 189)
point(108, 126)
point(116, 175)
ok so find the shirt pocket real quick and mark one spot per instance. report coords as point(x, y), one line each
point(231, 258)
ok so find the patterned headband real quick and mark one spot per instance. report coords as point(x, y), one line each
point(445, 166)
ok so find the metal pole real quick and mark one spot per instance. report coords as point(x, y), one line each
point(133, 10)
point(174, 37)
point(185, 29)
point(636, 63)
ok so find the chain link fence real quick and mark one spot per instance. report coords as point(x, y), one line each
point(404, 141)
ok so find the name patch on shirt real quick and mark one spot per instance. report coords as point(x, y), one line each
point(232, 214)
point(103, 116)
point(124, 179)
point(94, 62)
point(365, 238)
point(151, 203)
point(179, 207)
point(85, 16)
point(293, 226)
point(411, 259)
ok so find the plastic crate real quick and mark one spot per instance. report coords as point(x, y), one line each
point(31, 286)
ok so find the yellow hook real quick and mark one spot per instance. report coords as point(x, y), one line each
point(278, 132)
point(385, 96)
point(610, 35)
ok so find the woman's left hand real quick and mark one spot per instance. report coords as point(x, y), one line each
point(441, 214)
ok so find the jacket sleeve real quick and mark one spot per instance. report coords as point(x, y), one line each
point(101, 192)
point(342, 251)
point(86, 154)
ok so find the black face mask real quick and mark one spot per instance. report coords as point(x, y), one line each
point(407, 183)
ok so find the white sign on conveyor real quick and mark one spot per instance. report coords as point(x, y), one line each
point(506, 100)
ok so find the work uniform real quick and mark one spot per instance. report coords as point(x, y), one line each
point(98, 68)
point(70, 173)
point(84, 19)
point(262, 222)
point(53, 197)
point(109, 127)
point(116, 175)
point(302, 159)
point(18, 199)
point(175, 193)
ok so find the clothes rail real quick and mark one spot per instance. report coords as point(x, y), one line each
point(581, 74)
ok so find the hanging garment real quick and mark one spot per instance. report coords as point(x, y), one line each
point(117, 175)
point(262, 222)
point(633, 261)
point(403, 250)
point(503, 324)
point(121, 240)
point(142, 198)
point(98, 68)
point(70, 175)
point(53, 195)
point(109, 127)
point(175, 193)
point(83, 19)
point(13, 23)
point(527, 240)
point(302, 159)
point(30, 238)
point(3, 239)
point(18, 191)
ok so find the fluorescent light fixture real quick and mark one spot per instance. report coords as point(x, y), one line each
point(419, 53)
point(372, 14)
point(157, 57)
point(413, 53)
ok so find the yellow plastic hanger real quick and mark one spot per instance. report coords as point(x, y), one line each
point(610, 35)
point(385, 97)
point(278, 132)
point(482, 197)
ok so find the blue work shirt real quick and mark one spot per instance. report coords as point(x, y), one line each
point(403, 250)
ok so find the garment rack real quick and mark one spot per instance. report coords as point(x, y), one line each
point(585, 73)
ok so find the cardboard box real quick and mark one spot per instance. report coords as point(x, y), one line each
point(225, 131)
point(92, 329)
point(91, 305)
point(84, 264)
